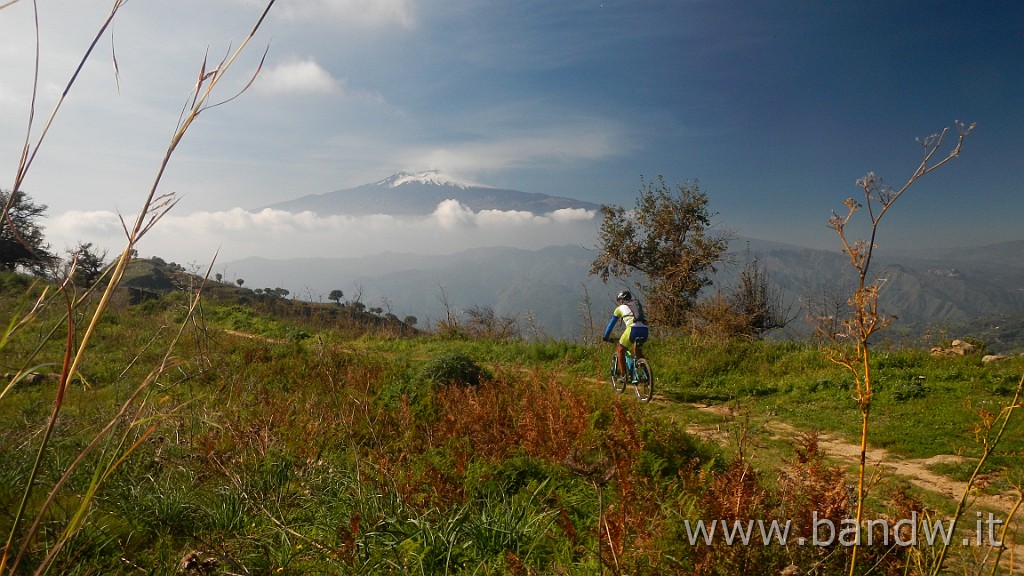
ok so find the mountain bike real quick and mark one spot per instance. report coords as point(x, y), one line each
point(638, 371)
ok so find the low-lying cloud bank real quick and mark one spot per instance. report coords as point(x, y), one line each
point(238, 233)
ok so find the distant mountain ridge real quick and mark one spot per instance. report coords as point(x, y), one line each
point(418, 194)
point(957, 290)
point(952, 287)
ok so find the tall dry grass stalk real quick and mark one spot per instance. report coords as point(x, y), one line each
point(77, 346)
point(851, 347)
point(991, 433)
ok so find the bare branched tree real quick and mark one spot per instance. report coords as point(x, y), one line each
point(87, 264)
point(827, 308)
point(759, 301)
point(483, 322)
point(588, 329)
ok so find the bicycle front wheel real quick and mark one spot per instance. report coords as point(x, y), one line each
point(644, 380)
point(618, 384)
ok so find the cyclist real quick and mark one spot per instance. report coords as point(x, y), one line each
point(632, 314)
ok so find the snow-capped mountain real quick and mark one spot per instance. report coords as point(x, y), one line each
point(435, 177)
point(405, 194)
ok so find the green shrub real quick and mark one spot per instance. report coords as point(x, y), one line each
point(909, 390)
point(453, 368)
point(669, 449)
point(510, 475)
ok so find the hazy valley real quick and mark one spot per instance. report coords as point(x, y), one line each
point(976, 291)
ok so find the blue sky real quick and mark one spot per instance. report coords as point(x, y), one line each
point(776, 108)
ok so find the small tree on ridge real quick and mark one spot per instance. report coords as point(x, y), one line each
point(667, 239)
point(21, 236)
point(336, 296)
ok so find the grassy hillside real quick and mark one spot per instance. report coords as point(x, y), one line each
point(277, 438)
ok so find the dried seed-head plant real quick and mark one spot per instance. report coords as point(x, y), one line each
point(851, 344)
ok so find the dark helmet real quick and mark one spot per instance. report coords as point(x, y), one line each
point(624, 296)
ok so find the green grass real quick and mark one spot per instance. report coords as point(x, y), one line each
point(923, 405)
point(342, 453)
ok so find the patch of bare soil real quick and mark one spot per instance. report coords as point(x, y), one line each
point(879, 461)
point(255, 337)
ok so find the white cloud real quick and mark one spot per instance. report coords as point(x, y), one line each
point(100, 226)
point(358, 12)
point(563, 142)
point(10, 99)
point(508, 218)
point(238, 233)
point(299, 76)
point(572, 215)
point(450, 215)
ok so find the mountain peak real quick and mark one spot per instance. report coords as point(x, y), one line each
point(429, 177)
point(420, 194)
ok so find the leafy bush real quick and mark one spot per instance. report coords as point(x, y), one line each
point(910, 390)
point(669, 449)
point(453, 368)
point(415, 386)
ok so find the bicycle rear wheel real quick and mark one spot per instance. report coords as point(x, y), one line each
point(618, 384)
point(644, 380)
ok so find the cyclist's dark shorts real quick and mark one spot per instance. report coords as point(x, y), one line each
point(637, 334)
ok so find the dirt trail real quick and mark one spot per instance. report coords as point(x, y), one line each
point(255, 337)
point(916, 471)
